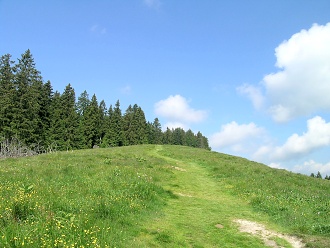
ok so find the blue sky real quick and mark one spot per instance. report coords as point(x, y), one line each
point(252, 76)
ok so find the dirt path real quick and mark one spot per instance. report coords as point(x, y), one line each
point(266, 235)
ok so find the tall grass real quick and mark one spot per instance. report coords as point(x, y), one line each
point(88, 198)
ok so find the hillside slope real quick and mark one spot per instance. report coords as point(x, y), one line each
point(156, 196)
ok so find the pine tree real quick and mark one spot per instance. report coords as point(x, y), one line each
point(179, 136)
point(312, 175)
point(154, 132)
point(139, 125)
point(318, 175)
point(114, 135)
point(7, 93)
point(128, 132)
point(168, 136)
point(28, 83)
point(69, 119)
point(91, 122)
point(56, 126)
point(45, 101)
point(102, 121)
point(82, 103)
point(106, 138)
point(191, 139)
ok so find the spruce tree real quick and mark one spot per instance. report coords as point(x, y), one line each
point(139, 125)
point(106, 138)
point(91, 123)
point(69, 119)
point(129, 133)
point(191, 139)
point(168, 136)
point(28, 83)
point(179, 136)
point(45, 101)
point(158, 134)
point(55, 139)
point(7, 93)
point(82, 103)
point(103, 120)
point(114, 135)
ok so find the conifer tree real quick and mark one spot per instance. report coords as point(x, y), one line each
point(179, 136)
point(45, 102)
point(191, 139)
point(69, 119)
point(158, 134)
point(168, 136)
point(7, 95)
point(91, 123)
point(82, 103)
point(103, 119)
point(154, 132)
point(128, 129)
point(139, 125)
point(28, 83)
point(56, 127)
point(114, 135)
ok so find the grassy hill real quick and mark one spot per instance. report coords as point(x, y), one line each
point(155, 196)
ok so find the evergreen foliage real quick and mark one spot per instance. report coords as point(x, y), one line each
point(36, 116)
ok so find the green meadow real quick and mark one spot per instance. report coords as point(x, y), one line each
point(155, 196)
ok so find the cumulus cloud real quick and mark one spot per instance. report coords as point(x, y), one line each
point(152, 3)
point(317, 136)
point(234, 135)
point(301, 85)
point(313, 167)
point(253, 93)
point(176, 109)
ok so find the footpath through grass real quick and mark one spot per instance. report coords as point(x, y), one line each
point(284, 201)
point(202, 211)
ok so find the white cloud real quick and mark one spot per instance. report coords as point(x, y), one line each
point(234, 135)
point(176, 109)
point(153, 3)
point(303, 84)
point(311, 166)
point(253, 93)
point(317, 136)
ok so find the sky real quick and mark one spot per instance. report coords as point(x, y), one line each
point(252, 76)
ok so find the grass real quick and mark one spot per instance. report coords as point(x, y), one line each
point(154, 196)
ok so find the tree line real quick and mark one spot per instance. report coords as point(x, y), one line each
point(318, 175)
point(31, 112)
